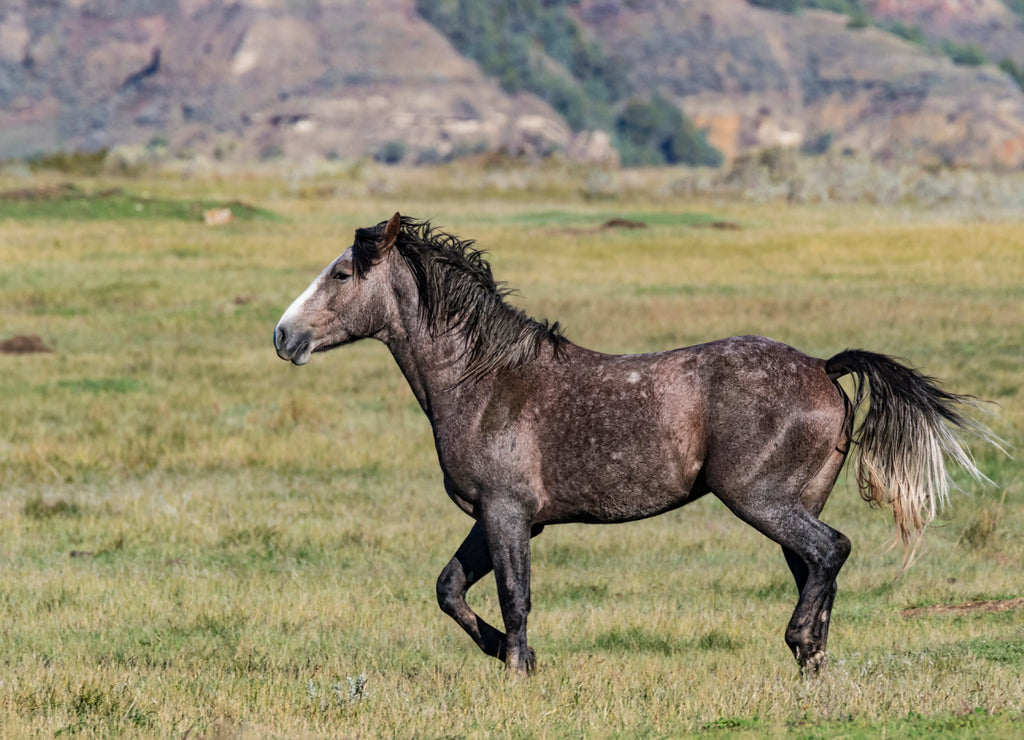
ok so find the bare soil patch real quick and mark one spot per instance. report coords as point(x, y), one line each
point(967, 607)
point(720, 226)
point(623, 223)
point(23, 344)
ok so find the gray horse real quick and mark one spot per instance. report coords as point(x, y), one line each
point(532, 429)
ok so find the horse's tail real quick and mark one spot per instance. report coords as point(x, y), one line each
point(910, 427)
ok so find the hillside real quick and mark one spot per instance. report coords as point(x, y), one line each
point(757, 78)
point(251, 79)
point(262, 79)
point(991, 25)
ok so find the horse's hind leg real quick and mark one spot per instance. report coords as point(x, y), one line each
point(795, 638)
point(823, 551)
point(813, 498)
point(817, 553)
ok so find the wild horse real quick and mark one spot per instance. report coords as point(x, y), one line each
point(532, 429)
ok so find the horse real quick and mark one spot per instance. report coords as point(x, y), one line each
point(533, 430)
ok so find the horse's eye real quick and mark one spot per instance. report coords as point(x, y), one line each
point(341, 275)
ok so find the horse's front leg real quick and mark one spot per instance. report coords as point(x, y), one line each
point(471, 562)
point(508, 534)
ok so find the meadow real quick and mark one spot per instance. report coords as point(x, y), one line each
point(200, 540)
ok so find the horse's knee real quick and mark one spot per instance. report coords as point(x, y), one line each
point(798, 638)
point(451, 588)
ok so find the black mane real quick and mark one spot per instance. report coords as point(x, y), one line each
point(458, 293)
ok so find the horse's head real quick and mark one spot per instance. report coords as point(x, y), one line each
point(343, 304)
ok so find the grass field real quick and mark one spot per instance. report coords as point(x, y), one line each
point(197, 539)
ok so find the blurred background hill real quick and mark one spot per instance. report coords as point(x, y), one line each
point(641, 82)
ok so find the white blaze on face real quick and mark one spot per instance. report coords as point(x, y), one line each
point(299, 304)
point(294, 333)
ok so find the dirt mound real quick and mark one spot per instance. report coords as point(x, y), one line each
point(968, 607)
point(623, 223)
point(23, 344)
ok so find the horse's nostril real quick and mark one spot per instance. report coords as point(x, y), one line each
point(279, 337)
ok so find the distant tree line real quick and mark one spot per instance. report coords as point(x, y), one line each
point(535, 46)
point(852, 8)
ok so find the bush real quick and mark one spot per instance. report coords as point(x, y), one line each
point(967, 55)
point(391, 152)
point(784, 6)
point(1015, 71)
point(657, 132)
point(71, 163)
point(817, 145)
point(913, 34)
point(270, 151)
point(859, 18)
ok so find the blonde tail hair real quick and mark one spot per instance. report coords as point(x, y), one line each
point(909, 430)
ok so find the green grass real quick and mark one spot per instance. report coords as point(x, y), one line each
point(68, 201)
point(197, 538)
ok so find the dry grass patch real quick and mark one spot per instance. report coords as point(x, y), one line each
point(263, 540)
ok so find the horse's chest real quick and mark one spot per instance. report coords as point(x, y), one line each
point(503, 464)
point(468, 502)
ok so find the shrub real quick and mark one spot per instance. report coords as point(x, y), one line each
point(88, 163)
point(785, 6)
point(657, 132)
point(967, 55)
point(859, 18)
point(1015, 71)
point(391, 152)
point(913, 34)
point(271, 151)
point(817, 145)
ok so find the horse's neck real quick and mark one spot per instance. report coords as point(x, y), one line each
point(433, 365)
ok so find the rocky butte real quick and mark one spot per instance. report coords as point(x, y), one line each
point(260, 79)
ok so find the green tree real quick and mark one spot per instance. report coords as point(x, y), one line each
point(968, 55)
point(785, 6)
point(656, 132)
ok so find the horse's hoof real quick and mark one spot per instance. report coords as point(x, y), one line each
point(524, 665)
point(814, 663)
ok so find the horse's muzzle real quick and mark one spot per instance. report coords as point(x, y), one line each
point(293, 346)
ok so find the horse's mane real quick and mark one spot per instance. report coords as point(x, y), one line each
point(458, 293)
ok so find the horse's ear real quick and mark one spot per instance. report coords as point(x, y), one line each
point(390, 234)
